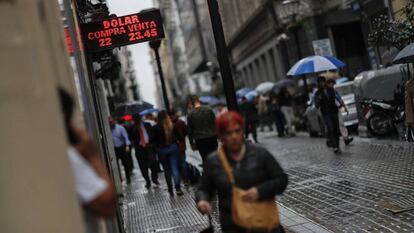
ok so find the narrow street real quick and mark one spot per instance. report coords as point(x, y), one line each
point(339, 193)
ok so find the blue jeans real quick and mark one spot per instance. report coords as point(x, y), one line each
point(169, 157)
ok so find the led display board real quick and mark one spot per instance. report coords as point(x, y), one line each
point(119, 31)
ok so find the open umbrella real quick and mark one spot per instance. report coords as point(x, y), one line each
point(264, 87)
point(132, 108)
point(148, 111)
point(342, 80)
point(251, 95)
point(210, 100)
point(315, 64)
point(242, 92)
point(406, 55)
point(283, 83)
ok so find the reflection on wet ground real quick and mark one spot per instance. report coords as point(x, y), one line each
point(342, 192)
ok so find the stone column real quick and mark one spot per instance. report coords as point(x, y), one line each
point(256, 71)
point(252, 76)
point(264, 68)
point(280, 70)
point(270, 66)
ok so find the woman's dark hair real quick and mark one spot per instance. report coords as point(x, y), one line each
point(165, 122)
point(67, 105)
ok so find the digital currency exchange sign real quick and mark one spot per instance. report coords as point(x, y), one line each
point(130, 29)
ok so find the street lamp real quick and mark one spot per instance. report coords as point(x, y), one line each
point(155, 45)
point(290, 10)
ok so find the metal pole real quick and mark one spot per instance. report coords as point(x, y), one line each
point(222, 55)
point(299, 54)
point(161, 73)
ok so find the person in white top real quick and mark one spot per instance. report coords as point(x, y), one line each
point(93, 184)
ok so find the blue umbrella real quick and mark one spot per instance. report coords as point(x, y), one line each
point(210, 100)
point(342, 80)
point(251, 95)
point(148, 111)
point(315, 64)
point(242, 92)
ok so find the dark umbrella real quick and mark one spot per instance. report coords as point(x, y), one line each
point(148, 111)
point(210, 100)
point(406, 55)
point(283, 83)
point(132, 108)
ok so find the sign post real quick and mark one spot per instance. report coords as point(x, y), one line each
point(222, 55)
point(125, 30)
point(322, 47)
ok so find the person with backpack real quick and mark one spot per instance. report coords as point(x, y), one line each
point(201, 133)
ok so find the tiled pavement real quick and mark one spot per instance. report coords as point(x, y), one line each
point(339, 192)
point(342, 192)
point(153, 210)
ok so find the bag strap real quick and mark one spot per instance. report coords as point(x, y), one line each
point(226, 165)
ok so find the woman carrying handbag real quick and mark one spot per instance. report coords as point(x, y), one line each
point(246, 178)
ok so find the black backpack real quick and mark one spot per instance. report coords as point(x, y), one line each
point(193, 174)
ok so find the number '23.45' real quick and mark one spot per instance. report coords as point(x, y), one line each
point(133, 36)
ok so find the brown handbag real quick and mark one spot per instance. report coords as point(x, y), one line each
point(261, 216)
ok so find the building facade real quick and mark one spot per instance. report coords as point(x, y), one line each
point(266, 37)
point(188, 52)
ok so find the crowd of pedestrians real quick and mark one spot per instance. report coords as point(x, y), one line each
point(235, 165)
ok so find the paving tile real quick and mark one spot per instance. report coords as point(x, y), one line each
point(342, 191)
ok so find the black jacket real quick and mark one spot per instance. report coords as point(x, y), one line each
point(257, 169)
point(325, 100)
point(159, 136)
point(136, 138)
point(249, 112)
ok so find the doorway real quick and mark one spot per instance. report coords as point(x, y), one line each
point(350, 47)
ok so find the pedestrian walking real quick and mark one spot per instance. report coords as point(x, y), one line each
point(201, 133)
point(93, 184)
point(250, 113)
point(325, 99)
point(145, 152)
point(122, 147)
point(240, 167)
point(274, 109)
point(342, 128)
point(182, 145)
point(167, 138)
point(265, 117)
point(128, 124)
point(286, 106)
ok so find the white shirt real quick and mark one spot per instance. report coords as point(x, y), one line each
point(144, 131)
point(87, 182)
point(88, 186)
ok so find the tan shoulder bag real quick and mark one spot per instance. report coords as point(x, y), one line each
point(261, 215)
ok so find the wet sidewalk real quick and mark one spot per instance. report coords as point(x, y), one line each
point(154, 210)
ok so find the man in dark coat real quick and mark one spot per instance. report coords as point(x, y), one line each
point(325, 100)
point(142, 140)
point(249, 111)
